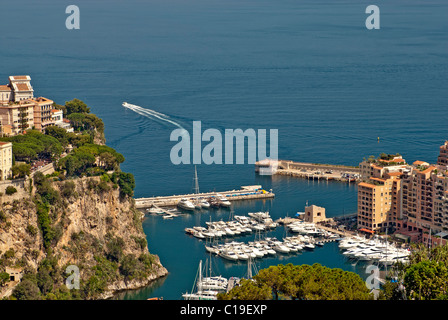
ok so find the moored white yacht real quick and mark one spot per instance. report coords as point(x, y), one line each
point(205, 204)
point(228, 254)
point(185, 204)
point(223, 200)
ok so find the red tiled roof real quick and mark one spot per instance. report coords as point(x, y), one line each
point(418, 163)
point(22, 87)
point(395, 173)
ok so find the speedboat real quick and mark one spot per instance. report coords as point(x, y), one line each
point(185, 204)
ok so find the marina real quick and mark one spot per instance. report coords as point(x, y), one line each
point(355, 250)
point(305, 236)
point(287, 240)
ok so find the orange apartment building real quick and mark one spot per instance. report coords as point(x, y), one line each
point(443, 157)
point(412, 199)
point(379, 203)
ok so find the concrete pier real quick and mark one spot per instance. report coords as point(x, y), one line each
point(311, 171)
point(245, 193)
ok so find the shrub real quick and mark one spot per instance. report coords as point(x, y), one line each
point(68, 189)
point(115, 249)
point(10, 190)
point(31, 230)
point(103, 186)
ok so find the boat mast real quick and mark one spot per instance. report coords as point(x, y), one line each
point(196, 183)
point(200, 277)
point(249, 268)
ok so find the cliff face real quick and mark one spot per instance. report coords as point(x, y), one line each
point(92, 227)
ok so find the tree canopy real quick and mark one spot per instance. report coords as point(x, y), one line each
point(303, 282)
point(34, 145)
point(75, 106)
point(425, 277)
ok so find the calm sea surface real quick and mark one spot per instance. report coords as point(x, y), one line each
point(307, 68)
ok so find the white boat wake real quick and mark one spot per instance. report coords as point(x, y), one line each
point(151, 114)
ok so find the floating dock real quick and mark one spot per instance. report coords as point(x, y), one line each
point(245, 193)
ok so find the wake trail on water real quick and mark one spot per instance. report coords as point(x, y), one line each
point(153, 115)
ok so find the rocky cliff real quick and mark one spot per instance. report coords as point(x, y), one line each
point(84, 222)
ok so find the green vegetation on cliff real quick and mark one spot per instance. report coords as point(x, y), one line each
point(83, 214)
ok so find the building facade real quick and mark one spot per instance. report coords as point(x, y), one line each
point(425, 201)
point(20, 110)
point(43, 116)
point(5, 160)
point(379, 204)
point(409, 198)
point(442, 160)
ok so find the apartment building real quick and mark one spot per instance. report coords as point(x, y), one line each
point(409, 198)
point(5, 160)
point(20, 110)
point(378, 167)
point(443, 157)
point(43, 116)
point(379, 203)
point(425, 199)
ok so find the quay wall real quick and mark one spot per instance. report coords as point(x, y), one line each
point(287, 165)
point(308, 170)
point(166, 201)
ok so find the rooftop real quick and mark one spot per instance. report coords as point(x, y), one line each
point(23, 87)
point(420, 163)
point(19, 78)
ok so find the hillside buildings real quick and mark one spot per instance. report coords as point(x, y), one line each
point(410, 199)
point(20, 110)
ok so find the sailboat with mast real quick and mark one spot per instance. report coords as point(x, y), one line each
point(207, 287)
point(199, 203)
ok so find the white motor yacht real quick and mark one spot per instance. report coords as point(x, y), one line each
point(281, 248)
point(309, 246)
point(185, 204)
point(223, 200)
point(229, 255)
point(205, 204)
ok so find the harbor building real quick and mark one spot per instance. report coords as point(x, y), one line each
point(314, 214)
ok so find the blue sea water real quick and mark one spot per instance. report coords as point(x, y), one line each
point(310, 69)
